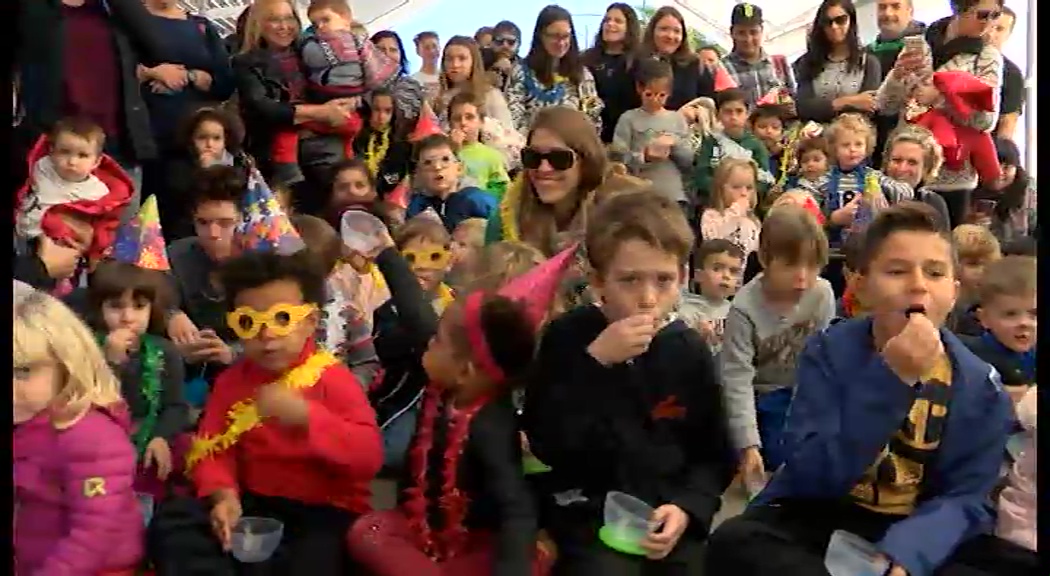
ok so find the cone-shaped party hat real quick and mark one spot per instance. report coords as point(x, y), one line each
point(723, 80)
point(140, 241)
point(426, 125)
point(264, 225)
point(400, 195)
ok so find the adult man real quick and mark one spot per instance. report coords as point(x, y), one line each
point(895, 23)
point(1012, 93)
point(428, 48)
point(501, 57)
point(755, 72)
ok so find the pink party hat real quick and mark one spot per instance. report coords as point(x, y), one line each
point(399, 196)
point(537, 288)
point(264, 226)
point(427, 124)
point(141, 242)
point(723, 80)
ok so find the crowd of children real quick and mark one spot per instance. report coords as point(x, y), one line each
point(514, 325)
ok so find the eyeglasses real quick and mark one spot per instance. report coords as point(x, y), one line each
point(840, 20)
point(435, 259)
point(280, 320)
point(276, 20)
point(558, 158)
point(557, 37)
point(987, 15)
point(505, 40)
point(437, 162)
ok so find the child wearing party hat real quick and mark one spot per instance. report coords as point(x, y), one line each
point(127, 299)
point(465, 460)
point(286, 433)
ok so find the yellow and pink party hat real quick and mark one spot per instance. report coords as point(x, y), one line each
point(141, 242)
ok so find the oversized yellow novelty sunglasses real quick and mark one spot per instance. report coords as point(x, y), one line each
point(280, 320)
point(433, 259)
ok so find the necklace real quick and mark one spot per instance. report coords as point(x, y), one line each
point(152, 360)
point(378, 145)
point(547, 95)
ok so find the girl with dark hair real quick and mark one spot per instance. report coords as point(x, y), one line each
point(835, 74)
point(466, 508)
point(665, 38)
point(610, 60)
point(383, 142)
point(409, 94)
point(552, 74)
point(1008, 205)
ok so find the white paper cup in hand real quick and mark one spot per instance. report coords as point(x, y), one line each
point(361, 231)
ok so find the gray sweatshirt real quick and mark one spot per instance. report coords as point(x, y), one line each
point(636, 129)
point(696, 308)
point(760, 349)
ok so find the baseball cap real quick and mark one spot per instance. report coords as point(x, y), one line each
point(746, 14)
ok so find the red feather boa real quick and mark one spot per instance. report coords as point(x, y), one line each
point(453, 503)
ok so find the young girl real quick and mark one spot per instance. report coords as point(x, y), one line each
point(466, 453)
point(383, 143)
point(732, 215)
point(1013, 212)
point(75, 510)
point(353, 188)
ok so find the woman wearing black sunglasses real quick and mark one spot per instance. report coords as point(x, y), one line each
point(958, 44)
point(564, 162)
point(835, 74)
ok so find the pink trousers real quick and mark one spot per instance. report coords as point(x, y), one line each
point(382, 543)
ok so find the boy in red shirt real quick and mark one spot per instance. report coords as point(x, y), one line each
point(287, 433)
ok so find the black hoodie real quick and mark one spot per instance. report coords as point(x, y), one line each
point(653, 427)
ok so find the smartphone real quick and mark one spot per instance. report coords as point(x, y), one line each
point(916, 43)
point(984, 206)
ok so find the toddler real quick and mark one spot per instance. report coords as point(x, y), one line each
point(718, 268)
point(657, 138)
point(340, 60)
point(74, 508)
point(853, 191)
point(467, 241)
point(732, 212)
point(70, 176)
point(482, 163)
point(977, 247)
point(811, 173)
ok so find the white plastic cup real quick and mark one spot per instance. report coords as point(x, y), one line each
point(361, 231)
point(851, 555)
point(255, 539)
point(627, 522)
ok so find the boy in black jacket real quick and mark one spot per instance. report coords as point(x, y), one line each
point(627, 398)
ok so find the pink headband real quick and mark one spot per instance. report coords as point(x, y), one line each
point(479, 346)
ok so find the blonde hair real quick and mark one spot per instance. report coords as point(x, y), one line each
point(498, 263)
point(618, 180)
point(45, 330)
point(474, 229)
point(793, 197)
point(851, 123)
point(933, 154)
point(973, 242)
point(258, 12)
point(722, 174)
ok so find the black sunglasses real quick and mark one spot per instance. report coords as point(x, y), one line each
point(558, 158)
point(507, 40)
point(986, 15)
point(840, 20)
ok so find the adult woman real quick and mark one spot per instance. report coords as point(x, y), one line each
point(78, 58)
point(957, 44)
point(610, 60)
point(462, 69)
point(912, 156)
point(665, 38)
point(835, 74)
point(564, 162)
point(271, 86)
point(552, 74)
point(408, 92)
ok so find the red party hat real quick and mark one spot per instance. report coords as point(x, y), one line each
point(426, 125)
point(537, 288)
point(723, 79)
point(400, 195)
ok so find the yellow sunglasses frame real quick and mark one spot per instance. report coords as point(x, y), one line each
point(415, 258)
point(296, 314)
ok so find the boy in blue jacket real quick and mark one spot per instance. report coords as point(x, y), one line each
point(896, 432)
point(440, 185)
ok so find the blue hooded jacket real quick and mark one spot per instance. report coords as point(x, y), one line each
point(468, 202)
point(848, 404)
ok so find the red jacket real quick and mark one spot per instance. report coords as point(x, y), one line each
point(103, 214)
point(332, 461)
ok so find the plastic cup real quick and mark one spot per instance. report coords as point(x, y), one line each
point(255, 539)
point(1015, 445)
point(361, 231)
point(627, 521)
point(851, 555)
point(146, 505)
point(533, 465)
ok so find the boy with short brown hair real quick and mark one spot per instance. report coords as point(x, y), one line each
point(627, 398)
point(766, 328)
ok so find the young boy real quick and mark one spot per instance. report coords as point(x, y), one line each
point(657, 139)
point(719, 265)
point(896, 431)
point(977, 248)
point(481, 163)
point(287, 432)
point(1007, 312)
point(736, 141)
point(467, 240)
point(766, 328)
point(767, 124)
point(438, 185)
point(627, 399)
point(428, 48)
